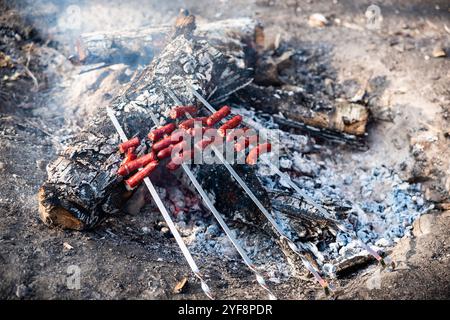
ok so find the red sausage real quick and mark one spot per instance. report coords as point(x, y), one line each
point(196, 131)
point(134, 142)
point(210, 136)
point(218, 115)
point(167, 152)
point(180, 111)
point(230, 124)
point(176, 162)
point(235, 134)
point(130, 156)
point(158, 133)
point(202, 144)
point(131, 166)
point(167, 141)
point(137, 178)
point(243, 143)
point(189, 123)
point(257, 151)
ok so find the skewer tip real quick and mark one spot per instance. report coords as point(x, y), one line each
point(206, 290)
point(263, 284)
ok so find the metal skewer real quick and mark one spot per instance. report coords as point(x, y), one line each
point(307, 198)
point(283, 237)
point(165, 214)
point(259, 278)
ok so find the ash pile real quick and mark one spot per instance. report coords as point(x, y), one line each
point(372, 201)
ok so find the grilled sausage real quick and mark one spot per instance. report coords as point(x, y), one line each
point(158, 133)
point(180, 111)
point(230, 124)
point(244, 142)
point(131, 166)
point(134, 142)
point(257, 151)
point(167, 152)
point(218, 115)
point(130, 156)
point(189, 123)
point(137, 178)
point(174, 138)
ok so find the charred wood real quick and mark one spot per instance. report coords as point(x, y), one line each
point(140, 46)
point(240, 40)
point(295, 104)
point(83, 187)
point(357, 142)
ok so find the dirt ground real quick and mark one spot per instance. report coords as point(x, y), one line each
point(409, 101)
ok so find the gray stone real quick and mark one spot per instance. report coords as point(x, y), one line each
point(22, 291)
point(348, 180)
point(213, 230)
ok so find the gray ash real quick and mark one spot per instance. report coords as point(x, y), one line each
point(371, 200)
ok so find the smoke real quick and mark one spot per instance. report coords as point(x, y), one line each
point(63, 21)
point(71, 96)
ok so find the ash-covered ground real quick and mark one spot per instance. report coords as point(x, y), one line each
point(380, 192)
point(372, 201)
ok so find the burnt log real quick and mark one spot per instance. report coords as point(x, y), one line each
point(357, 142)
point(83, 187)
point(341, 122)
point(296, 105)
point(140, 46)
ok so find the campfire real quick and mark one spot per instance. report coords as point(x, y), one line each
point(217, 137)
point(188, 66)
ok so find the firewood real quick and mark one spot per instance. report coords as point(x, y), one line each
point(83, 187)
point(143, 44)
point(353, 141)
point(299, 106)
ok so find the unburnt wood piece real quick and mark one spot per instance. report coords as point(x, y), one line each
point(299, 106)
point(83, 187)
point(357, 142)
point(353, 264)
